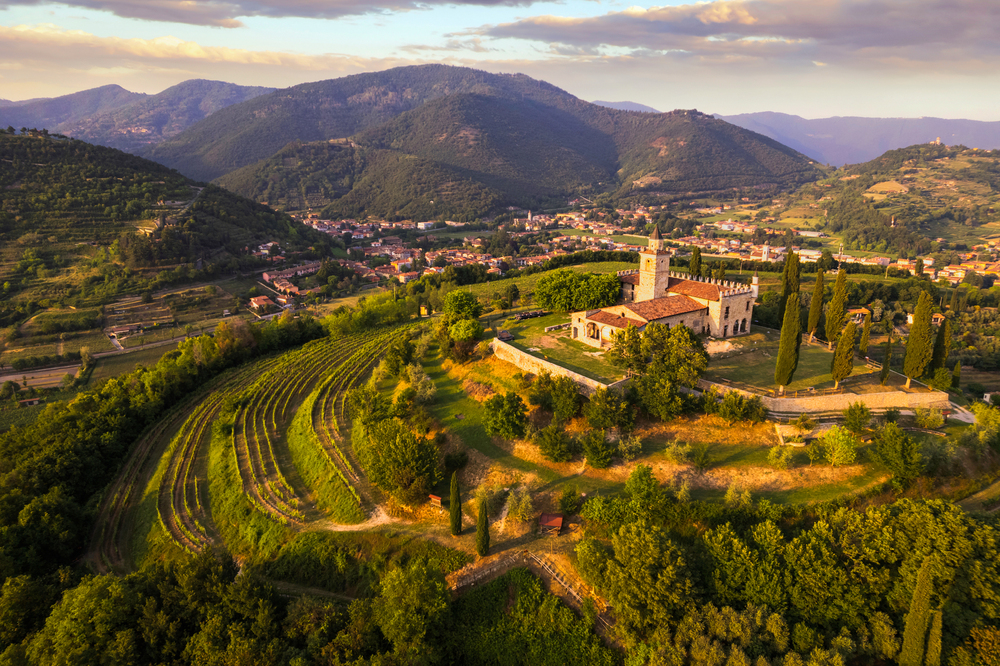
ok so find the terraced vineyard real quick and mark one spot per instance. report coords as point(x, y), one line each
point(251, 410)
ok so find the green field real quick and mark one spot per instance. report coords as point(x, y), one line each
point(756, 368)
point(559, 347)
point(112, 366)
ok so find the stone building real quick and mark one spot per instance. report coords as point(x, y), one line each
point(654, 293)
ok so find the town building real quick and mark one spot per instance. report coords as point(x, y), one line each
point(654, 293)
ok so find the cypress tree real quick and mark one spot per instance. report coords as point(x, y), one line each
point(482, 531)
point(788, 347)
point(694, 268)
point(816, 305)
point(919, 347)
point(835, 313)
point(953, 306)
point(933, 656)
point(843, 357)
point(886, 361)
point(956, 376)
point(455, 506)
point(866, 333)
point(789, 280)
point(917, 619)
point(940, 354)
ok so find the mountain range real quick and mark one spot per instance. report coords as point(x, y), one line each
point(626, 106)
point(112, 116)
point(851, 140)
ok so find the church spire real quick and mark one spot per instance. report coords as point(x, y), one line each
point(655, 240)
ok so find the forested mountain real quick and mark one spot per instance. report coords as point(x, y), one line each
point(61, 197)
point(152, 119)
point(662, 146)
point(626, 106)
point(850, 140)
point(521, 139)
point(53, 113)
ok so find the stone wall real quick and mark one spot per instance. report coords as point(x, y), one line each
point(536, 366)
point(838, 402)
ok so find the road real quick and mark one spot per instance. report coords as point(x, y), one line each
point(42, 377)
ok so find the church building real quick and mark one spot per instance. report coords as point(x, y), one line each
point(654, 293)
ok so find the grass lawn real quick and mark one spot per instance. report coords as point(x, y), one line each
point(756, 367)
point(559, 347)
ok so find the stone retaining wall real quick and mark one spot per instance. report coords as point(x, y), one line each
point(838, 402)
point(536, 366)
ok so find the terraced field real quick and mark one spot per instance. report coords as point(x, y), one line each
point(252, 409)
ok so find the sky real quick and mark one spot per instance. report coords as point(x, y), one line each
point(813, 58)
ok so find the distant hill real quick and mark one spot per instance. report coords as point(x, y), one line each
point(626, 106)
point(61, 197)
point(851, 140)
point(152, 119)
point(52, 113)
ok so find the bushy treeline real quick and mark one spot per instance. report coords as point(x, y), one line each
point(789, 585)
point(206, 611)
point(53, 470)
point(567, 291)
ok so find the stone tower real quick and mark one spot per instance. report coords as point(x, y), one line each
point(755, 285)
point(654, 269)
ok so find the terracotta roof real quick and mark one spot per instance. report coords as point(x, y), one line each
point(631, 278)
point(668, 306)
point(693, 288)
point(611, 319)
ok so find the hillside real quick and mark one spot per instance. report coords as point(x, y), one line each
point(152, 119)
point(504, 108)
point(852, 140)
point(79, 222)
point(626, 106)
point(903, 201)
point(55, 112)
point(524, 141)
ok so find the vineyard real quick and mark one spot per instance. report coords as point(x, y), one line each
point(278, 424)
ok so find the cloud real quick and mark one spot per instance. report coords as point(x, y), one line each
point(890, 33)
point(226, 13)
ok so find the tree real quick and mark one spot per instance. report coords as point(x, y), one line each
point(400, 462)
point(843, 357)
point(956, 376)
point(918, 618)
point(788, 346)
point(505, 416)
point(675, 353)
point(462, 305)
point(816, 306)
point(646, 580)
point(899, 453)
point(412, 603)
point(566, 399)
point(455, 506)
point(598, 449)
point(607, 409)
point(941, 343)
point(857, 416)
point(626, 350)
point(919, 347)
point(694, 268)
point(789, 280)
point(840, 446)
point(866, 332)
point(555, 444)
point(886, 361)
point(482, 531)
point(835, 311)
point(465, 330)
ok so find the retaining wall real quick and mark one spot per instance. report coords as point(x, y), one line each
point(838, 402)
point(536, 366)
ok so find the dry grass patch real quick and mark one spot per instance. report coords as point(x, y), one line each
point(477, 390)
point(708, 429)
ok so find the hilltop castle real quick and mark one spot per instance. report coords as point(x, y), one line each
point(654, 293)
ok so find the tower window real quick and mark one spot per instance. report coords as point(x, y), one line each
point(748, 306)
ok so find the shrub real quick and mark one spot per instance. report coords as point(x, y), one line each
point(701, 458)
point(555, 444)
point(941, 380)
point(678, 452)
point(597, 449)
point(840, 446)
point(780, 457)
point(519, 505)
point(737, 407)
point(456, 461)
point(629, 448)
point(505, 416)
point(891, 415)
point(930, 418)
point(569, 501)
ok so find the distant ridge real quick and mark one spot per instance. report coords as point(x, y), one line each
point(853, 140)
point(626, 106)
point(52, 113)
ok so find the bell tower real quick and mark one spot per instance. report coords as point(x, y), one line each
point(654, 269)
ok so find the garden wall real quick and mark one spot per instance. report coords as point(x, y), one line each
point(535, 365)
point(838, 402)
